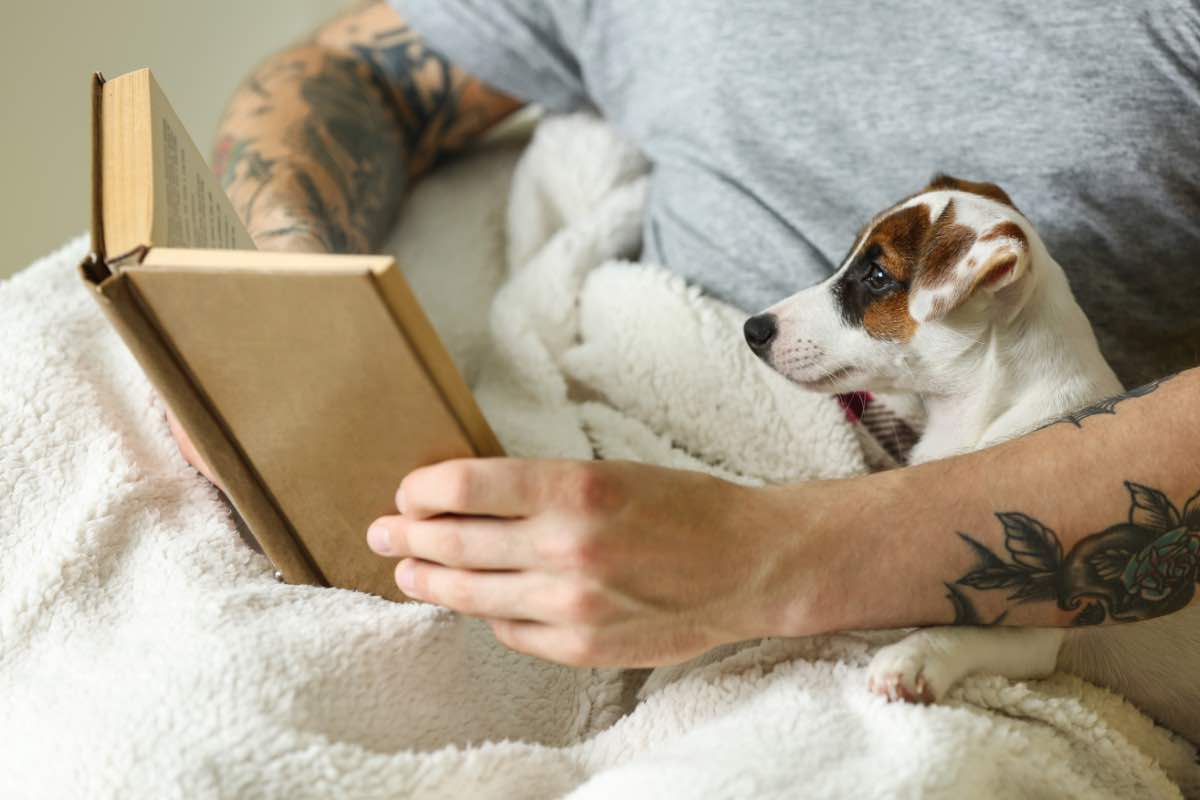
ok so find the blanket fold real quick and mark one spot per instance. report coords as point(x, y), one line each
point(146, 651)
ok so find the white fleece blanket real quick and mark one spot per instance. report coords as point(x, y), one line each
point(145, 650)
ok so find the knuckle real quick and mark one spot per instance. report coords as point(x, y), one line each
point(588, 553)
point(572, 549)
point(458, 485)
point(457, 594)
point(462, 485)
point(590, 488)
point(584, 605)
point(551, 548)
point(449, 547)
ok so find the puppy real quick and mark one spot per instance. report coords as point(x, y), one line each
point(951, 294)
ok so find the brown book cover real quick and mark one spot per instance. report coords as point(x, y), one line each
point(311, 384)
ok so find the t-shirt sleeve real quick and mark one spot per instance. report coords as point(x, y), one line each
point(521, 47)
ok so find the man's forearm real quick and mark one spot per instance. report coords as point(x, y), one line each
point(1086, 521)
point(318, 145)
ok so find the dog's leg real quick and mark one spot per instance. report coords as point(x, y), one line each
point(924, 665)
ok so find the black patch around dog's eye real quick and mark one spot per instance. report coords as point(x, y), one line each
point(856, 290)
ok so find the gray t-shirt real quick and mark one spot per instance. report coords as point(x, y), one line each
point(776, 128)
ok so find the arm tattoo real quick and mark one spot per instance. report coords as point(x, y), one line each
point(1136, 569)
point(1108, 405)
point(396, 60)
point(350, 125)
point(1140, 568)
point(349, 138)
point(233, 153)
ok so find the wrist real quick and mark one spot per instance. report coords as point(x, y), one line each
point(790, 591)
point(829, 564)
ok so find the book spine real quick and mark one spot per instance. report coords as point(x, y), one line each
point(97, 228)
point(117, 299)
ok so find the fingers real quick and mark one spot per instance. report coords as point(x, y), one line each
point(498, 487)
point(577, 645)
point(585, 644)
point(464, 542)
point(562, 645)
point(510, 595)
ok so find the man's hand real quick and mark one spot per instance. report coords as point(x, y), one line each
point(622, 564)
point(584, 563)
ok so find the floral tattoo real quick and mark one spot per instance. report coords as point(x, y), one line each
point(1134, 570)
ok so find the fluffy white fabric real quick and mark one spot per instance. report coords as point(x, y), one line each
point(146, 651)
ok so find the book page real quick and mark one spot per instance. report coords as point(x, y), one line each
point(190, 207)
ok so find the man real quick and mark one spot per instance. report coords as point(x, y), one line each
point(775, 129)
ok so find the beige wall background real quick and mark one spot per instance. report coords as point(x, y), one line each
point(199, 51)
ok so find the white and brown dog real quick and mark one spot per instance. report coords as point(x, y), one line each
point(951, 294)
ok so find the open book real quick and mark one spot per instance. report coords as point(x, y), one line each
point(310, 384)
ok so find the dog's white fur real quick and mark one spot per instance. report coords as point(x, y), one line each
point(991, 360)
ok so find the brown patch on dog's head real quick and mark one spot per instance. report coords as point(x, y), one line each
point(913, 251)
point(899, 237)
point(948, 243)
point(888, 319)
point(893, 244)
point(944, 182)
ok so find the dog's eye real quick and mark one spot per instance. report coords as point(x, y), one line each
point(877, 279)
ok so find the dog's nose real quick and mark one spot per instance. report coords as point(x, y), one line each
point(760, 330)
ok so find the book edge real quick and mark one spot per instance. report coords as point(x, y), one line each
point(218, 260)
point(98, 251)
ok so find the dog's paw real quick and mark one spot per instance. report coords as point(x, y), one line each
point(914, 670)
point(901, 686)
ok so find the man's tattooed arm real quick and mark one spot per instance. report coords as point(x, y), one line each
point(1143, 565)
point(319, 144)
point(1063, 526)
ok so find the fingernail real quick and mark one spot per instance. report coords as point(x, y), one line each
point(379, 540)
point(404, 576)
point(400, 500)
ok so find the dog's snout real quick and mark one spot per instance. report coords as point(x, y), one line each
point(760, 330)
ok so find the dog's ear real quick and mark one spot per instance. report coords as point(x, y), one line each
point(991, 262)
